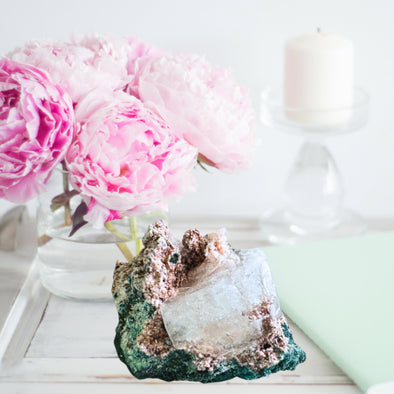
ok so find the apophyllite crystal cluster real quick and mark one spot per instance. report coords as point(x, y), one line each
point(198, 310)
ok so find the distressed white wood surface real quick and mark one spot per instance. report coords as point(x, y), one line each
point(71, 348)
point(146, 388)
point(23, 319)
point(74, 331)
point(13, 272)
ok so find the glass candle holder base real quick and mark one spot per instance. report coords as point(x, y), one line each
point(313, 193)
point(277, 228)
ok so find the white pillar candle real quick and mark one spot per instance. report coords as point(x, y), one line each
point(318, 79)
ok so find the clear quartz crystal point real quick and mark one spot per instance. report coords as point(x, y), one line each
point(213, 313)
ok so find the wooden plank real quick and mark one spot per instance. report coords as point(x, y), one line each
point(75, 342)
point(153, 388)
point(86, 330)
point(23, 319)
point(93, 370)
point(13, 272)
point(75, 329)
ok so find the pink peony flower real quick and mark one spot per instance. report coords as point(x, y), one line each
point(88, 63)
point(124, 159)
point(71, 67)
point(122, 50)
point(201, 104)
point(36, 128)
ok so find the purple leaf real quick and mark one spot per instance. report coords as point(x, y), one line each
point(77, 218)
point(62, 199)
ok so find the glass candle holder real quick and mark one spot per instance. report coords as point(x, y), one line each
point(312, 199)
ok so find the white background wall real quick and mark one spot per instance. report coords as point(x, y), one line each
point(248, 35)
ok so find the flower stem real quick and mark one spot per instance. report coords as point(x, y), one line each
point(67, 208)
point(125, 251)
point(43, 240)
point(203, 160)
point(121, 245)
point(134, 234)
point(110, 227)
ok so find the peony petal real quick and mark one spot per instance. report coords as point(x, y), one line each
point(125, 159)
point(201, 104)
point(35, 134)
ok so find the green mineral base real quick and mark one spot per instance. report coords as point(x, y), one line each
point(179, 364)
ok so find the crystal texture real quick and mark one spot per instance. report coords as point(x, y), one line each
point(214, 313)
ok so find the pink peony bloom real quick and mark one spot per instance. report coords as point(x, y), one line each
point(73, 67)
point(36, 128)
point(122, 50)
point(201, 104)
point(124, 159)
point(88, 63)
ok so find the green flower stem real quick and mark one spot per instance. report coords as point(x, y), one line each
point(133, 227)
point(134, 234)
point(121, 245)
point(67, 208)
point(125, 251)
point(110, 227)
point(201, 159)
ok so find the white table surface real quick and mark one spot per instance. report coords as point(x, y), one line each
point(53, 345)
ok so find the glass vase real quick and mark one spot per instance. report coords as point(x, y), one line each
point(81, 265)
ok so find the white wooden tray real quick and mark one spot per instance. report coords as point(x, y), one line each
point(54, 345)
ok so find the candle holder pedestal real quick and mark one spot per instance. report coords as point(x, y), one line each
point(312, 200)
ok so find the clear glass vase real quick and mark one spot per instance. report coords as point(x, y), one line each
point(81, 266)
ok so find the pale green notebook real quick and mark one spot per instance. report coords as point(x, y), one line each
point(341, 294)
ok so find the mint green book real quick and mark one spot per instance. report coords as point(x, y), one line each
point(341, 294)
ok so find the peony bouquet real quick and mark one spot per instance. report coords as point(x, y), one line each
point(126, 122)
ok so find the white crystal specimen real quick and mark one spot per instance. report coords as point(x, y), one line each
point(212, 314)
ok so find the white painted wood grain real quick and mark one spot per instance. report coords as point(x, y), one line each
point(154, 388)
point(24, 318)
point(93, 370)
point(74, 329)
point(13, 273)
